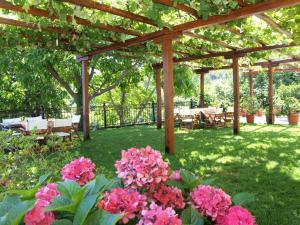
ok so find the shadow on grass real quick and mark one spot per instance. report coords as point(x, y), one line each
point(263, 160)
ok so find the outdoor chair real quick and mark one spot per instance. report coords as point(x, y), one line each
point(228, 117)
point(11, 123)
point(188, 120)
point(75, 125)
point(62, 128)
point(38, 127)
point(33, 118)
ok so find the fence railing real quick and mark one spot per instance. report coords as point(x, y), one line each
point(105, 115)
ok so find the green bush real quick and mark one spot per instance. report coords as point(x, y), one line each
point(250, 105)
point(289, 98)
point(23, 160)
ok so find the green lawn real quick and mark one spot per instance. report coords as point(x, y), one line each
point(263, 160)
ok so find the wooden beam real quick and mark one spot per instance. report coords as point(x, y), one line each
point(33, 26)
point(85, 99)
point(158, 98)
point(277, 70)
point(236, 94)
point(179, 6)
point(270, 94)
point(112, 10)
point(201, 102)
point(45, 13)
point(274, 25)
point(216, 42)
point(230, 53)
point(213, 20)
point(168, 94)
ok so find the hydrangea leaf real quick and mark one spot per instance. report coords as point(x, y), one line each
point(190, 216)
point(84, 209)
point(101, 217)
point(243, 198)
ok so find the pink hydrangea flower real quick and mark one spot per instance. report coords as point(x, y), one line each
point(210, 201)
point(175, 176)
point(126, 201)
point(80, 170)
point(47, 193)
point(143, 167)
point(37, 215)
point(156, 215)
point(236, 215)
point(169, 197)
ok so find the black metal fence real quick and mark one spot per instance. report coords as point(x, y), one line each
point(105, 115)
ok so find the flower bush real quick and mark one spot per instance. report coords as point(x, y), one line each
point(145, 192)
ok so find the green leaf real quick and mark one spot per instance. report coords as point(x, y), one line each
point(189, 179)
point(84, 209)
point(101, 217)
point(61, 203)
point(68, 189)
point(43, 178)
point(62, 222)
point(209, 181)
point(12, 210)
point(190, 216)
point(243, 198)
point(24, 194)
point(99, 185)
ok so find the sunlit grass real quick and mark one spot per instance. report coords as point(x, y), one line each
point(263, 160)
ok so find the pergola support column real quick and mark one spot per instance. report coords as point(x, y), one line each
point(236, 94)
point(201, 102)
point(85, 99)
point(270, 94)
point(167, 50)
point(158, 98)
point(251, 85)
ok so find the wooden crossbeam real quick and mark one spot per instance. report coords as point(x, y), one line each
point(217, 42)
point(112, 10)
point(45, 13)
point(253, 73)
point(179, 6)
point(213, 20)
point(33, 26)
point(274, 25)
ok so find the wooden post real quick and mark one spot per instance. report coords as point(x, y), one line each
point(158, 98)
point(251, 84)
point(85, 99)
point(270, 93)
point(167, 50)
point(236, 94)
point(201, 103)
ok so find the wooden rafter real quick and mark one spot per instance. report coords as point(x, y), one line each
point(274, 25)
point(34, 26)
point(179, 6)
point(112, 10)
point(45, 13)
point(297, 70)
point(217, 42)
point(213, 20)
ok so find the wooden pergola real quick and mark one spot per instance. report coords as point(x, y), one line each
point(165, 38)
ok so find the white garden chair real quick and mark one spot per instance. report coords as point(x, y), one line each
point(62, 128)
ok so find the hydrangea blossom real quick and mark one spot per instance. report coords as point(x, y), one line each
point(156, 215)
point(126, 201)
point(210, 201)
point(47, 193)
point(37, 215)
point(236, 215)
point(142, 168)
point(169, 197)
point(175, 176)
point(80, 170)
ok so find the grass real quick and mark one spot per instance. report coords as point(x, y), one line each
point(263, 160)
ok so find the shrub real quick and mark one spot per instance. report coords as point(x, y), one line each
point(102, 201)
point(250, 105)
point(23, 160)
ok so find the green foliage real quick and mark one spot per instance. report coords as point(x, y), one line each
point(250, 105)
point(191, 216)
point(289, 98)
point(243, 198)
point(27, 161)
